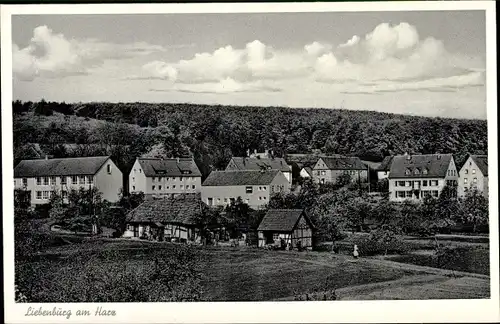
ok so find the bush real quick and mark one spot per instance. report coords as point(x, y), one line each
point(370, 245)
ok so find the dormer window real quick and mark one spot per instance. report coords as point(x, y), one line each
point(417, 171)
point(425, 171)
point(408, 172)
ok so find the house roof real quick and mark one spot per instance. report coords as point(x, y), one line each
point(281, 220)
point(240, 178)
point(308, 170)
point(245, 163)
point(435, 164)
point(343, 163)
point(386, 164)
point(59, 167)
point(181, 209)
point(482, 163)
point(302, 160)
point(169, 167)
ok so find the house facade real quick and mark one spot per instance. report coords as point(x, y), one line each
point(260, 162)
point(384, 168)
point(254, 187)
point(44, 176)
point(329, 168)
point(306, 173)
point(474, 175)
point(291, 227)
point(168, 219)
point(415, 176)
point(157, 177)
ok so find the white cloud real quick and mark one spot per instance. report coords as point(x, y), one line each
point(53, 55)
point(387, 53)
point(224, 86)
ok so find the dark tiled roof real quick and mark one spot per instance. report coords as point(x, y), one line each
point(169, 167)
point(281, 220)
point(181, 209)
point(59, 167)
point(240, 178)
point(302, 160)
point(435, 164)
point(245, 163)
point(386, 164)
point(482, 163)
point(343, 163)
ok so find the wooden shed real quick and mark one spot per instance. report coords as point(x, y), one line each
point(290, 226)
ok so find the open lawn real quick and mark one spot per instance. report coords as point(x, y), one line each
point(68, 273)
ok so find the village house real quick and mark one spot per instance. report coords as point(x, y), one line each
point(474, 175)
point(42, 177)
point(384, 168)
point(254, 187)
point(306, 172)
point(415, 176)
point(261, 161)
point(157, 177)
point(168, 219)
point(301, 164)
point(329, 168)
point(291, 227)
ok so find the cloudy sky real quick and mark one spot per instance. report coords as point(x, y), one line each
point(421, 63)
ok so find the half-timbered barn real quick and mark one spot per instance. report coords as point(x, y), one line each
point(288, 227)
point(168, 219)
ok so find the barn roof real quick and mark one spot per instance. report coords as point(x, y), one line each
point(343, 163)
point(282, 220)
point(420, 166)
point(240, 178)
point(169, 167)
point(386, 164)
point(482, 163)
point(59, 167)
point(246, 163)
point(181, 209)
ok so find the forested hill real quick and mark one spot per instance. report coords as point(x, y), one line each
point(213, 133)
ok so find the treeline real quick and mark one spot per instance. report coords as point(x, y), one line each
point(212, 134)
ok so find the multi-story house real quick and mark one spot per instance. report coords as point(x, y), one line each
point(474, 175)
point(254, 187)
point(258, 161)
point(44, 176)
point(329, 168)
point(415, 176)
point(157, 177)
point(384, 168)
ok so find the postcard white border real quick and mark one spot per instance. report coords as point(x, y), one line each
point(456, 311)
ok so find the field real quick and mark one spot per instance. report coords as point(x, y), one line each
point(74, 271)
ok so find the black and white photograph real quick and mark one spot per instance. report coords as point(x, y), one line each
point(299, 155)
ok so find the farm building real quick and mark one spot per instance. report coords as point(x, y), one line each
point(289, 226)
point(166, 219)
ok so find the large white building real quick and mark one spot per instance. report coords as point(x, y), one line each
point(415, 176)
point(44, 176)
point(159, 178)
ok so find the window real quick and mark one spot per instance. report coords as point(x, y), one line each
point(173, 186)
point(53, 180)
point(401, 183)
point(45, 181)
point(353, 172)
point(323, 172)
point(218, 200)
point(473, 171)
point(133, 179)
point(46, 195)
point(395, 183)
point(465, 180)
point(90, 179)
point(249, 190)
point(260, 198)
point(25, 182)
point(134, 170)
point(210, 201)
point(425, 171)
point(424, 183)
point(247, 201)
point(174, 178)
point(63, 180)
point(38, 195)
point(276, 236)
point(265, 197)
point(417, 171)
point(64, 194)
point(407, 172)
point(74, 179)
point(466, 171)
point(400, 194)
point(140, 170)
point(159, 187)
point(108, 167)
point(153, 188)
point(160, 179)
point(264, 188)
point(409, 194)
point(38, 181)
point(474, 180)
point(435, 193)
point(322, 181)
point(168, 179)
point(408, 184)
point(168, 187)
point(434, 183)
point(81, 179)
point(180, 178)
point(193, 186)
point(133, 188)
point(182, 187)
point(225, 200)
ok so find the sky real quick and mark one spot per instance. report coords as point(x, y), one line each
point(418, 63)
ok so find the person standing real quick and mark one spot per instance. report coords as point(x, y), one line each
point(355, 253)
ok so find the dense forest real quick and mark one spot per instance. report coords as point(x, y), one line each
point(212, 134)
